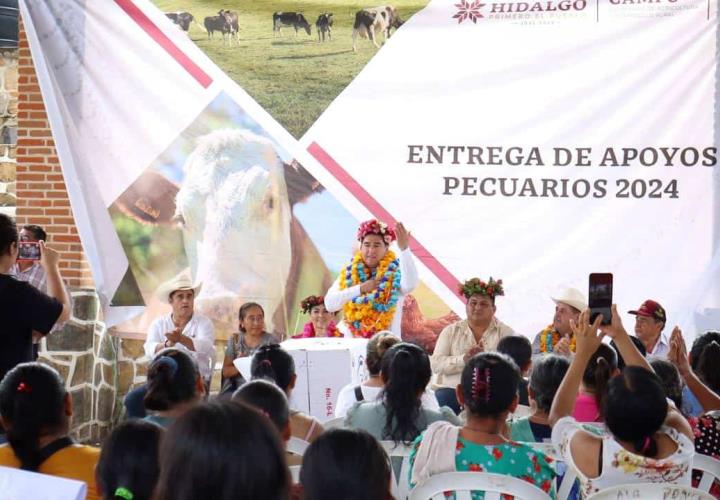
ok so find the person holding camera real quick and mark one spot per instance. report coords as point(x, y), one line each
point(27, 268)
point(24, 310)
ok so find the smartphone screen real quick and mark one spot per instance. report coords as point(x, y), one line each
point(28, 250)
point(600, 296)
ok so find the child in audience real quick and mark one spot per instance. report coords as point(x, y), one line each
point(345, 464)
point(223, 450)
point(273, 363)
point(704, 360)
point(545, 377)
point(35, 411)
point(370, 389)
point(398, 414)
point(593, 389)
point(129, 461)
point(488, 390)
point(174, 385)
point(648, 439)
point(520, 350)
point(270, 400)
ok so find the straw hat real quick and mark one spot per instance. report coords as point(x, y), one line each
point(180, 282)
point(572, 297)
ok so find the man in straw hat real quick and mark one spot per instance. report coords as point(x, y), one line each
point(558, 337)
point(183, 328)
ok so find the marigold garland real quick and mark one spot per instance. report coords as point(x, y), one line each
point(552, 335)
point(371, 312)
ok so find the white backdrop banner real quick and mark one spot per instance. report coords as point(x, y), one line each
point(535, 142)
point(539, 142)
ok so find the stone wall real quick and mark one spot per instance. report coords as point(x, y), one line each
point(8, 129)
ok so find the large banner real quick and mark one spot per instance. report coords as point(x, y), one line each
point(535, 142)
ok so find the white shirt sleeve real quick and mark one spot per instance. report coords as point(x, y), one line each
point(335, 298)
point(155, 336)
point(204, 340)
point(346, 398)
point(409, 278)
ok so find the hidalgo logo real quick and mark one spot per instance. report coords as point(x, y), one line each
point(471, 10)
point(468, 10)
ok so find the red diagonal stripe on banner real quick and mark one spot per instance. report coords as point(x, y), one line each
point(156, 34)
point(379, 212)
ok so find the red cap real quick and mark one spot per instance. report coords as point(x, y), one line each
point(650, 309)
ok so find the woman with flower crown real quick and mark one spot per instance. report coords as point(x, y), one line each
point(321, 322)
point(371, 289)
point(460, 341)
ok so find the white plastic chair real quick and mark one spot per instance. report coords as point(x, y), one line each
point(521, 411)
point(650, 490)
point(400, 486)
point(462, 483)
point(16, 483)
point(295, 473)
point(296, 446)
point(334, 423)
point(710, 468)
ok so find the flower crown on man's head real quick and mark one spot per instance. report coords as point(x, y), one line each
point(309, 302)
point(374, 226)
point(475, 286)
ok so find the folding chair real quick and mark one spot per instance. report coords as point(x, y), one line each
point(463, 483)
point(400, 486)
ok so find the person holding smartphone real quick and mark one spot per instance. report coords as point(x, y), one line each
point(23, 308)
point(27, 268)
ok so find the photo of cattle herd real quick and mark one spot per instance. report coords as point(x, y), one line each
point(293, 57)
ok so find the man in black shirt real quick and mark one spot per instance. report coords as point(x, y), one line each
point(24, 310)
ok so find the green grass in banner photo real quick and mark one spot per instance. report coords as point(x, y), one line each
point(293, 77)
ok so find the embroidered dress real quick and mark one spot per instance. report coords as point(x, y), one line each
point(511, 459)
point(620, 466)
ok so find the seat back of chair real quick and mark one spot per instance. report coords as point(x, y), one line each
point(462, 483)
point(296, 446)
point(521, 411)
point(400, 483)
point(650, 490)
point(569, 474)
point(710, 468)
point(295, 473)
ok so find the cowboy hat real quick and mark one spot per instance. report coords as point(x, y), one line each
point(180, 282)
point(572, 297)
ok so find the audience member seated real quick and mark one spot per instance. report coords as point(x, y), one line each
point(322, 321)
point(222, 450)
point(174, 385)
point(129, 464)
point(704, 361)
point(370, 389)
point(35, 410)
point(272, 362)
point(545, 377)
point(345, 464)
point(593, 388)
point(398, 414)
point(648, 439)
point(269, 400)
point(638, 344)
point(488, 390)
point(458, 342)
point(520, 350)
point(252, 336)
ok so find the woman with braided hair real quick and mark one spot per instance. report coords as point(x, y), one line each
point(371, 289)
point(488, 390)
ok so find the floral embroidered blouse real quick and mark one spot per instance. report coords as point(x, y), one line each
point(511, 458)
point(620, 466)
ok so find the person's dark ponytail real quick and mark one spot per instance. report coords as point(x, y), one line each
point(709, 366)
point(406, 372)
point(171, 379)
point(32, 402)
point(274, 363)
point(603, 372)
point(598, 372)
